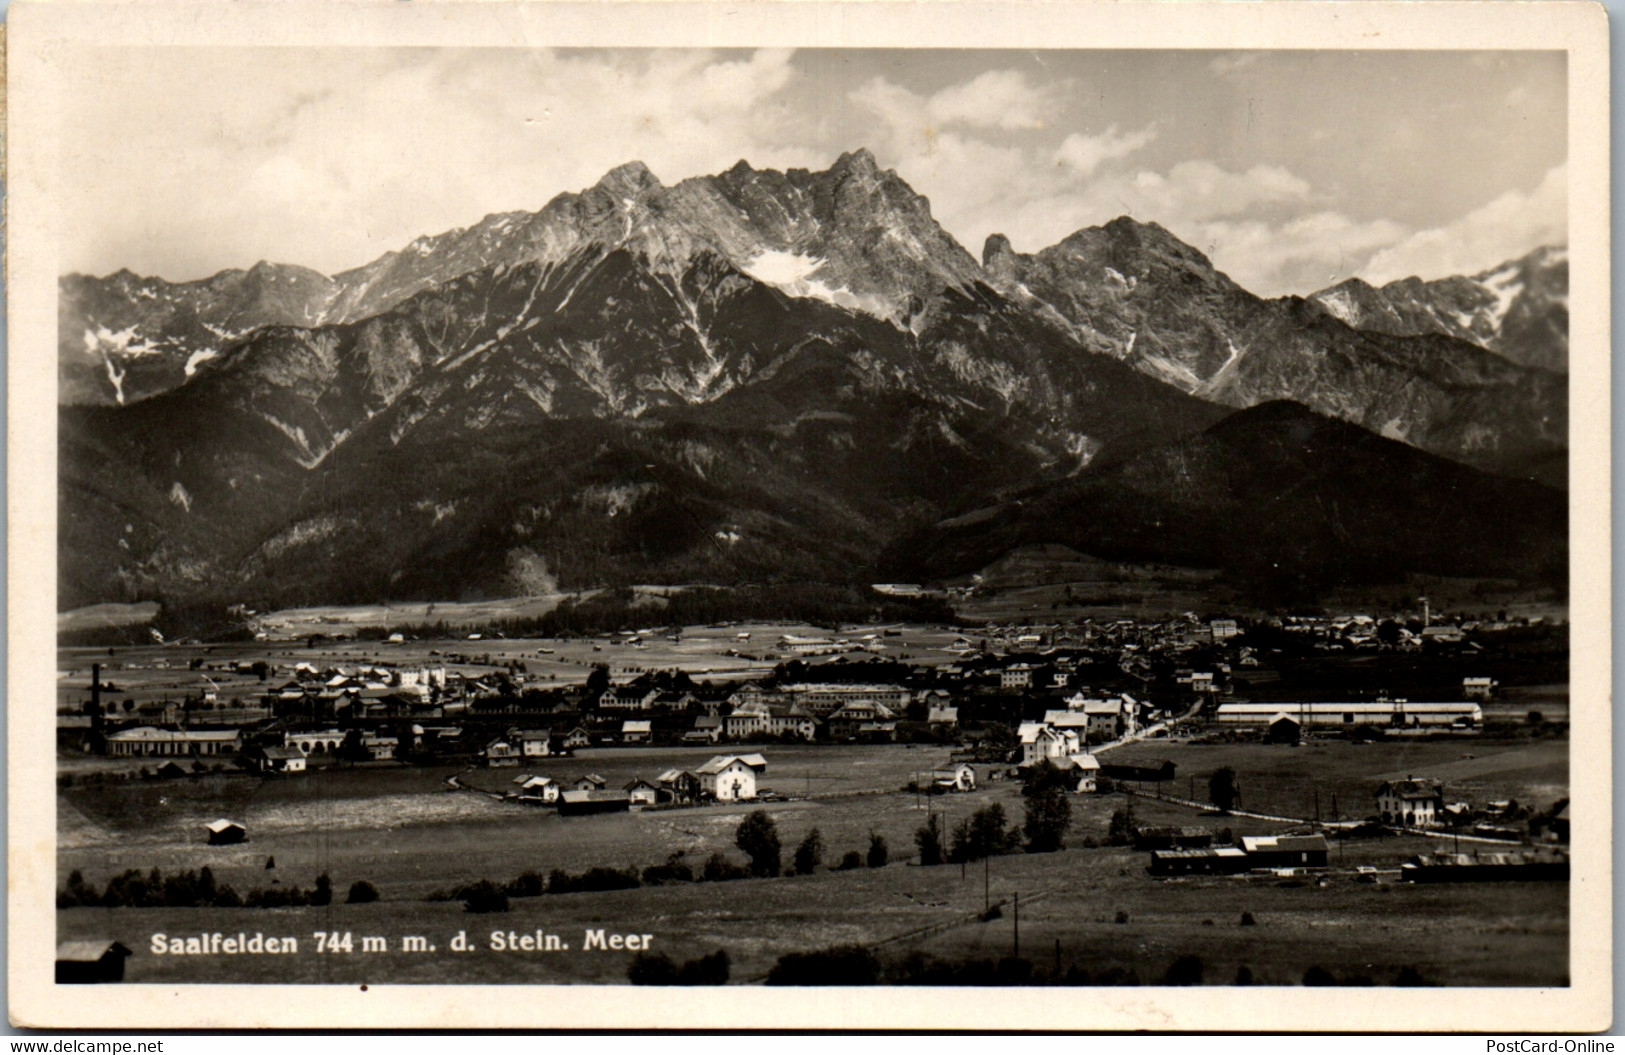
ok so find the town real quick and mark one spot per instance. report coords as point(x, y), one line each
point(1348, 752)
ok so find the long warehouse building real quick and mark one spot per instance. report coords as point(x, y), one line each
point(1396, 714)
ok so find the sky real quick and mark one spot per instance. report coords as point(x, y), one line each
point(1291, 170)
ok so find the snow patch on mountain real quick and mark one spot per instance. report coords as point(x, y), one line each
point(1506, 286)
point(197, 357)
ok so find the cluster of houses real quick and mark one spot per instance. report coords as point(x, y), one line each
point(724, 778)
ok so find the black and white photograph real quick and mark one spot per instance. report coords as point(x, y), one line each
point(1098, 518)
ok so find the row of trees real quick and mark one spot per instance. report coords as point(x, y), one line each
point(197, 889)
point(857, 965)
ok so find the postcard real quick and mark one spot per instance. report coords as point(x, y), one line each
point(518, 511)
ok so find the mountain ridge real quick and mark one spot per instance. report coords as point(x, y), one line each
point(741, 376)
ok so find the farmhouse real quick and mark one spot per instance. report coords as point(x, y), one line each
point(859, 717)
point(541, 790)
point(679, 785)
point(1040, 741)
point(943, 716)
point(642, 793)
point(1393, 714)
point(533, 743)
point(278, 760)
point(577, 737)
point(956, 777)
point(1412, 803)
point(1068, 719)
point(627, 698)
point(1480, 687)
point(590, 782)
point(500, 753)
point(145, 740)
point(636, 731)
point(731, 778)
point(707, 730)
point(1085, 769)
point(1108, 719)
point(90, 962)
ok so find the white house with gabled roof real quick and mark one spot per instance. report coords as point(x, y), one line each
point(731, 778)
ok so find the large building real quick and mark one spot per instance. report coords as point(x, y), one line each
point(1393, 714)
point(146, 740)
point(752, 720)
point(823, 699)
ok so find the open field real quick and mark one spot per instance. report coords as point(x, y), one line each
point(1285, 780)
point(162, 671)
point(403, 830)
point(1452, 934)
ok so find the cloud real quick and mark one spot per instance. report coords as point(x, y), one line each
point(996, 99)
point(329, 157)
point(1507, 227)
point(1300, 255)
point(1036, 193)
point(1084, 153)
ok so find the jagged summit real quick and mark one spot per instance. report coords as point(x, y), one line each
point(632, 178)
point(1518, 309)
point(856, 161)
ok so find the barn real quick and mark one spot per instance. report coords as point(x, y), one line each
point(90, 962)
point(576, 802)
point(223, 832)
point(1285, 851)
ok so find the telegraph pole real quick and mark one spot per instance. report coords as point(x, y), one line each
point(1016, 954)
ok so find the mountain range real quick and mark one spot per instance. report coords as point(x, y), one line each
point(750, 376)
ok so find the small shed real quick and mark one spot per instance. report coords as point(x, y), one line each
point(223, 832)
point(282, 760)
point(1284, 729)
point(90, 962)
point(576, 801)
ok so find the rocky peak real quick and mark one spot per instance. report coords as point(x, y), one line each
point(998, 257)
point(856, 162)
point(630, 179)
